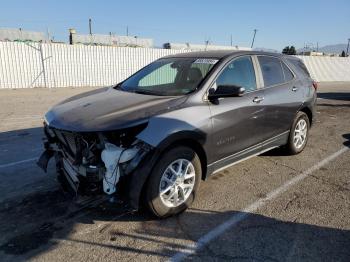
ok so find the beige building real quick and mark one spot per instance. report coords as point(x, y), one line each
point(313, 53)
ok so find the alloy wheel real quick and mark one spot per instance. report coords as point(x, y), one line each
point(300, 133)
point(177, 183)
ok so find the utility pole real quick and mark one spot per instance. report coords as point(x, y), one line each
point(347, 49)
point(231, 41)
point(90, 30)
point(48, 34)
point(255, 30)
point(206, 44)
point(71, 33)
point(127, 30)
point(317, 47)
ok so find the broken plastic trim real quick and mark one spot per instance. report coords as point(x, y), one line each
point(44, 159)
point(113, 156)
point(144, 149)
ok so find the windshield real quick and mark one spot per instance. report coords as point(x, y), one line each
point(169, 76)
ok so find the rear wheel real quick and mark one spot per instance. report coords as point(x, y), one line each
point(299, 134)
point(174, 181)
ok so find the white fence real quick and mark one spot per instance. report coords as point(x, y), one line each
point(25, 65)
point(58, 65)
point(325, 69)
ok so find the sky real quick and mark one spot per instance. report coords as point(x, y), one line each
point(279, 23)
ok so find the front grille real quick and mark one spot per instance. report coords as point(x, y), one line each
point(68, 140)
point(71, 142)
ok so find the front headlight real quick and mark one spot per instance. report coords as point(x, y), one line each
point(49, 116)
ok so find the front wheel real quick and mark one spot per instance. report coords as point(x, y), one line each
point(173, 182)
point(299, 134)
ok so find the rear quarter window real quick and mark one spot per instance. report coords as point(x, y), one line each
point(288, 75)
point(300, 66)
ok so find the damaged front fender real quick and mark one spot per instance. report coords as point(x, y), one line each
point(139, 172)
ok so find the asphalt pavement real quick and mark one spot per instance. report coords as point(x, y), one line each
point(273, 207)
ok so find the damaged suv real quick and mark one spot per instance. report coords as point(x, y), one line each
point(152, 138)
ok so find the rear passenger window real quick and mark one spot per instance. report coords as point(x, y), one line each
point(288, 75)
point(271, 69)
point(239, 72)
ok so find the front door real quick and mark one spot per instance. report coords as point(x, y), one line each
point(237, 121)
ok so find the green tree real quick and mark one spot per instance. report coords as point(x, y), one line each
point(285, 50)
point(292, 51)
point(343, 54)
point(289, 50)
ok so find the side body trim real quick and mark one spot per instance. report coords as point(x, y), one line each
point(247, 153)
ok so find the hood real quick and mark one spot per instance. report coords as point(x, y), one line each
point(108, 109)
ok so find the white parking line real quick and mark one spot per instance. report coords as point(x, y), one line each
point(235, 219)
point(18, 162)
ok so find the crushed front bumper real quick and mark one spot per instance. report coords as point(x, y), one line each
point(86, 179)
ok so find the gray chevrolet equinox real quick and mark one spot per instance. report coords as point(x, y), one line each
point(152, 138)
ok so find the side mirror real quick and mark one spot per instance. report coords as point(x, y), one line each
point(225, 91)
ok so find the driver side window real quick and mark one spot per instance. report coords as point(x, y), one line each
point(239, 72)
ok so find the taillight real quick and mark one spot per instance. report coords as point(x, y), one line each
point(315, 85)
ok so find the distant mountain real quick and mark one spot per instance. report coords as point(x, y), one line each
point(330, 49)
point(266, 50)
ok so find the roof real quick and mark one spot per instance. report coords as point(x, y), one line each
point(218, 54)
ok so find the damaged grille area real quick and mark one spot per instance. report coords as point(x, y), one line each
point(68, 140)
point(79, 148)
point(94, 162)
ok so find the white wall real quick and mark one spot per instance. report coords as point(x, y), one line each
point(325, 69)
point(21, 64)
point(60, 65)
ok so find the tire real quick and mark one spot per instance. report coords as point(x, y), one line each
point(292, 146)
point(162, 178)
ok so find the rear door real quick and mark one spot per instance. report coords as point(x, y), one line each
point(237, 121)
point(283, 95)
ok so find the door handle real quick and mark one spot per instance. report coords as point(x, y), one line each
point(294, 89)
point(258, 99)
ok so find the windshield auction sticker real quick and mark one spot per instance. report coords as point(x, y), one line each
point(206, 61)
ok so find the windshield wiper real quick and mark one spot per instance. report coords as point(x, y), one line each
point(146, 92)
point(117, 87)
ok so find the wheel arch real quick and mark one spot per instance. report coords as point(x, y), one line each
point(185, 138)
point(308, 112)
point(192, 140)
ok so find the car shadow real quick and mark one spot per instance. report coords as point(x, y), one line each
point(278, 151)
point(256, 237)
point(344, 96)
point(347, 142)
point(339, 96)
point(34, 223)
point(333, 105)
